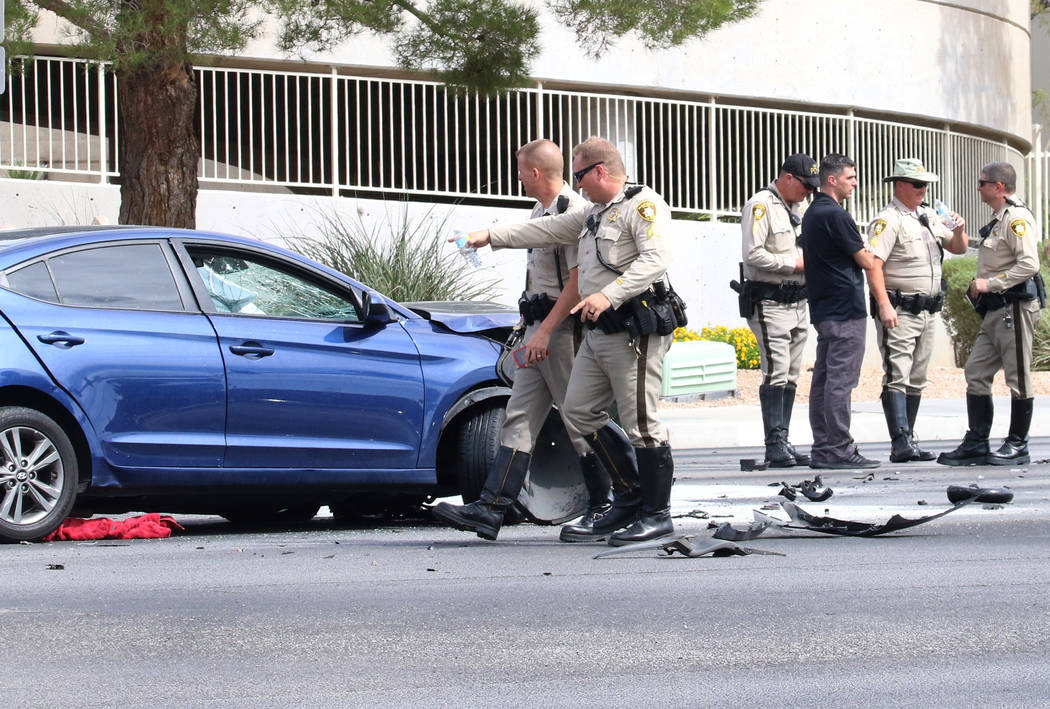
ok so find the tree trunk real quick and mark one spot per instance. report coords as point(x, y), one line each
point(159, 147)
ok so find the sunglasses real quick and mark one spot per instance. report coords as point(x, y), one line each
point(982, 183)
point(578, 175)
point(916, 185)
point(809, 187)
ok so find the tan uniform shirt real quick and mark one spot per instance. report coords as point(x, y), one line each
point(910, 251)
point(770, 240)
point(545, 262)
point(1010, 253)
point(630, 235)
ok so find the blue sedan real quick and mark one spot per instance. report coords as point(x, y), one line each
point(151, 369)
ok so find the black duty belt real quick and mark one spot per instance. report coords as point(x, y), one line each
point(788, 292)
point(916, 303)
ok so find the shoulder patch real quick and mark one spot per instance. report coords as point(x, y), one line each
point(647, 211)
point(1019, 227)
point(758, 211)
point(878, 227)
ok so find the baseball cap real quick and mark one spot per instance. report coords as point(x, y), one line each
point(804, 168)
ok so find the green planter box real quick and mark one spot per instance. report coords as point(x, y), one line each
point(699, 369)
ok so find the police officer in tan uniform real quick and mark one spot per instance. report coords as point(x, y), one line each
point(623, 256)
point(546, 359)
point(909, 239)
point(1009, 291)
point(771, 223)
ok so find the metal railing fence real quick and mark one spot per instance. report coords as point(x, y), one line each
point(350, 134)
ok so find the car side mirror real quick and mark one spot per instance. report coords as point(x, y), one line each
point(375, 312)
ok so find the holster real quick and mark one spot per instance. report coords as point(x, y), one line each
point(745, 305)
point(1030, 289)
point(536, 308)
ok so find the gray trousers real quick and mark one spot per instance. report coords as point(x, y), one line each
point(607, 369)
point(536, 388)
point(1007, 347)
point(906, 351)
point(781, 330)
point(840, 351)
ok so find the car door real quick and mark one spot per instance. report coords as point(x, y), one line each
point(117, 327)
point(310, 386)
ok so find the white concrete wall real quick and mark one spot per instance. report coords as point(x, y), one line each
point(956, 60)
point(705, 255)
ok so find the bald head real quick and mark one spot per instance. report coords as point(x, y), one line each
point(543, 155)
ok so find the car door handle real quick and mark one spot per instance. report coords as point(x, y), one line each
point(252, 350)
point(61, 338)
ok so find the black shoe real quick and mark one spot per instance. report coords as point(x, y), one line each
point(855, 461)
point(903, 450)
point(479, 517)
point(583, 531)
point(970, 452)
point(800, 458)
point(1011, 452)
point(652, 526)
point(621, 514)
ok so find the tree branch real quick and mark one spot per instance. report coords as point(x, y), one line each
point(79, 17)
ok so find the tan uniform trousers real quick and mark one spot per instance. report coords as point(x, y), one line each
point(1001, 347)
point(608, 368)
point(906, 351)
point(538, 386)
point(781, 330)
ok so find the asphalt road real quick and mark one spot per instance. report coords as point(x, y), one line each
point(407, 613)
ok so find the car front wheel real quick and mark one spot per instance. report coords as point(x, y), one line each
point(38, 474)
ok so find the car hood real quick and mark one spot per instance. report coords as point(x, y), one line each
point(467, 316)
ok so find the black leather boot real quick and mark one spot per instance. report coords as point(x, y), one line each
point(895, 406)
point(656, 469)
point(617, 456)
point(772, 400)
point(912, 402)
point(974, 447)
point(1014, 450)
point(502, 485)
point(789, 404)
point(598, 502)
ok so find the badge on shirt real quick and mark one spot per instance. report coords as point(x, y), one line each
point(613, 216)
point(1019, 227)
point(758, 211)
point(878, 227)
point(647, 211)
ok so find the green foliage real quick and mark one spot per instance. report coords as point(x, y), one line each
point(476, 43)
point(479, 44)
point(659, 23)
point(960, 320)
point(24, 173)
point(406, 259)
point(962, 323)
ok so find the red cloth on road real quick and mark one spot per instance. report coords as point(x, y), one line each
point(151, 526)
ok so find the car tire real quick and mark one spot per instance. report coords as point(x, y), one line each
point(38, 474)
point(476, 449)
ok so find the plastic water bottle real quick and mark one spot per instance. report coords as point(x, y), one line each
point(943, 212)
point(469, 253)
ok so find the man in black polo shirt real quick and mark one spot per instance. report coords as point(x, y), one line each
point(836, 257)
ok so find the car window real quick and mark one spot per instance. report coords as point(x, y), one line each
point(244, 285)
point(34, 280)
point(122, 276)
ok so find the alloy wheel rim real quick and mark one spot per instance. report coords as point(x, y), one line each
point(31, 475)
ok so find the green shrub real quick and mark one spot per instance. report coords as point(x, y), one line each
point(962, 322)
point(406, 259)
